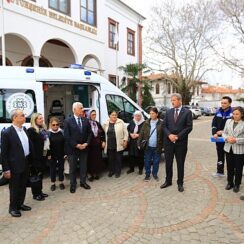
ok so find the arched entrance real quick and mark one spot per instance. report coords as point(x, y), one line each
point(17, 48)
point(7, 61)
point(58, 53)
point(91, 62)
point(29, 61)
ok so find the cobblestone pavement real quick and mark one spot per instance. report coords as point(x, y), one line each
point(129, 210)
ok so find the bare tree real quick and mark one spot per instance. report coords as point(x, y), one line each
point(178, 38)
point(232, 20)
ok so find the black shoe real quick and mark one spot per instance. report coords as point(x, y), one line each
point(91, 178)
point(242, 198)
point(140, 172)
point(110, 174)
point(25, 208)
point(44, 194)
point(130, 171)
point(39, 198)
point(165, 184)
point(236, 188)
point(147, 178)
point(72, 189)
point(96, 177)
point(180, 188)
point(228, 186)
point(85, 186)
point(156, 177)
point(53, 187)
point(117, 175)
point(61, 186)
point(15, 213)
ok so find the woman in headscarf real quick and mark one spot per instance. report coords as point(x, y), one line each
point(95, 160)
point(136, 155)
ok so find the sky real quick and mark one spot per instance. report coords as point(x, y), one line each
point(226, 76)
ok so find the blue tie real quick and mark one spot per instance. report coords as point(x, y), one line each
point(79, 124)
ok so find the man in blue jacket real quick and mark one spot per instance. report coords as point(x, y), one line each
point(218, 124)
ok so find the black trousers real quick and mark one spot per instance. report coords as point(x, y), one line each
point(115, 161)
point(221, 157)
point(73, 159)
point(17, 189)
point(137, 160)
point(179, 152)
point(39, 170)
point(54, 165)
point(234, 167)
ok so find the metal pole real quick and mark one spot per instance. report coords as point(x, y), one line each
point(117, 45)
point(3, 36)
point(117, 76)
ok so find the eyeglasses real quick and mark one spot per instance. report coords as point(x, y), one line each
point(55, 124)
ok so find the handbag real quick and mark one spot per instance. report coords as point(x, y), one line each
point(143, 143)
point(66, 166)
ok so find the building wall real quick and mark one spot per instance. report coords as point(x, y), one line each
point(29, 25)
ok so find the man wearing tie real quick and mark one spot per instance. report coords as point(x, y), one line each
point(15, 150)
point(77, 133)
point(177, 125)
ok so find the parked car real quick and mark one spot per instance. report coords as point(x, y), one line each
point(206, 111)
point(196, 111)
point(161, 111)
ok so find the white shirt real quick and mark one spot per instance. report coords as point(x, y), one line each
point(23, 138)
point(179, 109)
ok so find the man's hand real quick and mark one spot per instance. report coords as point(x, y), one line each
point(7, 175)
point(83, 146)
point(173, 138)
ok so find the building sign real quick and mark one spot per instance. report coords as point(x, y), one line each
point(20, 101)
point(53, 15)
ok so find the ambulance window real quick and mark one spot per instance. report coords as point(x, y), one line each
point(11, 99)
point(122, 106)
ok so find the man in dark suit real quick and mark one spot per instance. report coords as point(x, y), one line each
point(77, 133)
point(16, 151)
point(177, 125)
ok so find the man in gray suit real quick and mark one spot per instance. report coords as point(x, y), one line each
point(176, 125)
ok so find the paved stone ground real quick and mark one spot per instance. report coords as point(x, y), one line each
point(129, 210)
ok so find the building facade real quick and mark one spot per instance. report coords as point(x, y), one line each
point(99, 34)
point(162, 89)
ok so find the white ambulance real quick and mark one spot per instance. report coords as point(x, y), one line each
point(52, 91)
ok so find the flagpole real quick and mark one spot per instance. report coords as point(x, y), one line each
point(116, 39)
point(117, 75)
point(3, 36)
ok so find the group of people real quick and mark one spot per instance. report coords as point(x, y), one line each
point(25, 152)
point(228, 125)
